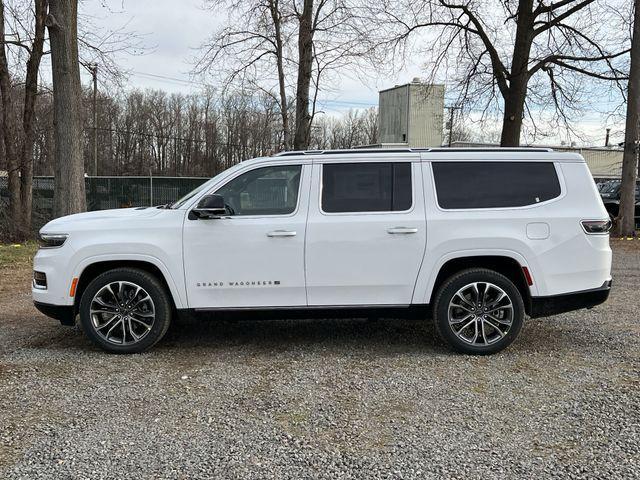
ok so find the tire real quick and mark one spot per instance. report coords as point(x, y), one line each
point(458, 323)
point(138, 322)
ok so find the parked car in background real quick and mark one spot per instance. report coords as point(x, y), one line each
point(476, 239)
point(610, 193)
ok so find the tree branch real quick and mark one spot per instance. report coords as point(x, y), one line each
point(556, 20)
point(500, 71)
point(573, 58)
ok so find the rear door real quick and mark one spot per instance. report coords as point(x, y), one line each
point(366, 232)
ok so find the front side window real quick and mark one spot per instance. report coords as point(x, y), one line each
point(366, 187)
point(263, 191)
point(463, 185)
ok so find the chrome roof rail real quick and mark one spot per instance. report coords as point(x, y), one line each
point(348, 151)
point(354, 151)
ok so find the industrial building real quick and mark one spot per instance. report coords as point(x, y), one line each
point(410, 115)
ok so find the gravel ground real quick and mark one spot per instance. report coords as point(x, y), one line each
point(324, 399)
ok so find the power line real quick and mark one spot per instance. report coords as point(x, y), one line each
point(181, 139)
point(347, 103)
point(191, 82)
point(165, 77)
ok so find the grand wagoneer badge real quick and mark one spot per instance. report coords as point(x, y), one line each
point(256, 283)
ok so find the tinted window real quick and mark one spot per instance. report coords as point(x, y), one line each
point(494, 184)
point(263, 191)
point(366, 187)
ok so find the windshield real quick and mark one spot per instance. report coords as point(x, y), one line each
point(611, 187)
point(205, 186)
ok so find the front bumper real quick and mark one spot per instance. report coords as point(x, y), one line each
point(567, 302)
point(65, 313)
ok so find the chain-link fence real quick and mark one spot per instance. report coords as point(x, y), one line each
point(108, 192)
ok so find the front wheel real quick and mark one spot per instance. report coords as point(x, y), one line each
point(478, 312)
point(125, 310)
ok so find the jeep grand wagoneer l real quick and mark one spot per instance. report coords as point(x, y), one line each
point(475, 239)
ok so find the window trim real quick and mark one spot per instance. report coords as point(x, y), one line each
point(303, 169)
point(411, 162)
point(556, 166)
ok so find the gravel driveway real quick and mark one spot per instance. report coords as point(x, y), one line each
point(324, 399)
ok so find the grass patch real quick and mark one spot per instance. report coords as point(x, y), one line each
point(17, 254)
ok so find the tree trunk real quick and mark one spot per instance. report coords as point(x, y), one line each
point(62, 22)
point(305, 65)
point(284, 108)
point(9, 137)
point(626, 220)
point(512, 119)
point(516, 94)
point(28, 118)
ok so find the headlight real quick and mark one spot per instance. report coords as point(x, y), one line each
point(52, 240)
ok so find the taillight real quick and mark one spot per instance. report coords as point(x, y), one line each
point(596, 226)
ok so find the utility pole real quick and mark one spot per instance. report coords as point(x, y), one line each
point(451, 113)
point(93, 68)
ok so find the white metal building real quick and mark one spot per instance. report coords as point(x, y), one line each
point(411, 114)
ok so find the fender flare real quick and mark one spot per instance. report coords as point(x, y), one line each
point(174, 290)
point(424, 292)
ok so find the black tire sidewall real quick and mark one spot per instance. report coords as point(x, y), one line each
point(153, 287)
point(455, 283)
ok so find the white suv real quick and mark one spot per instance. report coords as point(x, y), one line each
point(474, 238)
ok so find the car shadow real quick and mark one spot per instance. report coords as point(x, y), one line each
point(385, 335)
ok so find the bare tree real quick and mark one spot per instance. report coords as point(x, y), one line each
point(246, 50)
point(28, 119)
point(626, 220)
point(9, 131)
point(496, 50)
point(19, 153)
point(301, 41)
point(307, 20)
point(62, 22)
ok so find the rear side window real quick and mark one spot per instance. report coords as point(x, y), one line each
point(366, 187)
point(494, 184)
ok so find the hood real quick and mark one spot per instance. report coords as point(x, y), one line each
point(101, 219)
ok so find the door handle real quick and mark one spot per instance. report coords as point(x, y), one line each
point(281, 233)
point(401, 230)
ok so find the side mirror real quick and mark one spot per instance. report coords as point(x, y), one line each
point(210, 206)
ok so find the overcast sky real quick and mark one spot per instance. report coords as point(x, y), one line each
point(171, 31)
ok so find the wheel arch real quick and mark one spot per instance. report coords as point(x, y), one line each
point(91, 269)
point(506, 265)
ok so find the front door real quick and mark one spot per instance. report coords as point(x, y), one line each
point(366, 233)
point(254, 256)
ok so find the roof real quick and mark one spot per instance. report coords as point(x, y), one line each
point(440, 153)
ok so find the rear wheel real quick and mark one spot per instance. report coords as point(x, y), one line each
point(125, 310)
point(478, 311)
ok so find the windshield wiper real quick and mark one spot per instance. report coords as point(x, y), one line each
point(166, 206)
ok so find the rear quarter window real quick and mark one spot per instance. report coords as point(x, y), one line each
point(463, 185)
